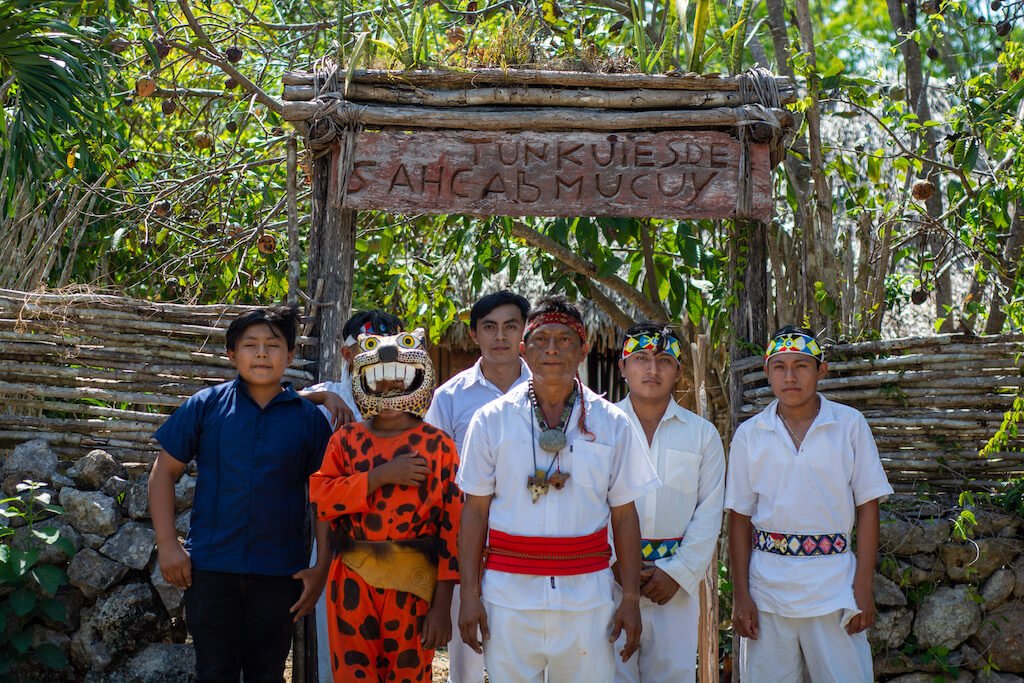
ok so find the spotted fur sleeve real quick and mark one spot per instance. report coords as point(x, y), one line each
point(451, 513)
point(337, 489)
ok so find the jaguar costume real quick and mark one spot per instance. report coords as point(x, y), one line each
point(391, 545)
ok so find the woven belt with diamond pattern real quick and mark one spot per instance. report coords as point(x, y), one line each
point(658, 548)
point(799, 544)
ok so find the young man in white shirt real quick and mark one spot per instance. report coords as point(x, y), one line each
point(496, 324)
point(801, 474)
point(681, 521)
point(545, 468)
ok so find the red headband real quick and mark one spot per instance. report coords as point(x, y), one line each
point(556, 318)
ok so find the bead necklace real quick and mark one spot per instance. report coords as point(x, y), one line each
point(552, 440)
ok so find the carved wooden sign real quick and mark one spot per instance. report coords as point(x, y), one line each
point(675, 174)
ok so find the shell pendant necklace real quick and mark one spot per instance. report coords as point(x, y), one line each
point(552, 440)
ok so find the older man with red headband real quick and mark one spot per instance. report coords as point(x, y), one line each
point(545, 469)
point(801, 474)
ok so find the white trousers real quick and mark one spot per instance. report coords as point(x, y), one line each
point(814, 649)
point(323, 645)
point(668, 643)
point(569, 647)
point(464, 665)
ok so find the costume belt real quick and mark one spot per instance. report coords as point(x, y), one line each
point(658, 548)
point(397, 565)
point(548, 556)
point(799, 544)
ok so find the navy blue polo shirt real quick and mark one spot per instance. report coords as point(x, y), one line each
point(253, 463)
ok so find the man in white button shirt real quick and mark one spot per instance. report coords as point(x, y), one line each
point(800, 474)
point(496, 324)
point(679, 522)
point(545, 468)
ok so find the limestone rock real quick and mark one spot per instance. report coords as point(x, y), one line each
point(946, 618)
point(992, 521)
point(93, 541)
point(127, 617)
point(90, 511)
point(972, 658)
point(169, 594)
point(115, 486)
point(897, 662)
point(33, 460)
point(137, 499)
point(977, 560)
point(88, 651)
point(919, 677)
point(92, 573)
point(1018, 572)
point(1000, 637)
point(183, 523)
point(996, 677)
point(998, 588)
point(62, 480)
point(887, 593)
point(74, 601)
point(184, 493)
point(131, 545)
point(156, 663)
point(891, 628)
point(92, 471)
point(903, 537)
point(910, 574)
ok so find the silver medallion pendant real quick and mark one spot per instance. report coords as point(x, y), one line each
point(552, 440)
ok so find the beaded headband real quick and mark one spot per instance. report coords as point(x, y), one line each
point(794, 342)
point(659, 342)
point(556, 318)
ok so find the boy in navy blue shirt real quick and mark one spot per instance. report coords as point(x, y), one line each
point(244, 565)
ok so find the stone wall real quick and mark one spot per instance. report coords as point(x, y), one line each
point(124, 622)
point(947, 609)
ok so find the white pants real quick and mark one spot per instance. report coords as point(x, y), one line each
point(570, 647)
point(668, 643)
point(323, 645)
point(464, 665)
point(814, 649)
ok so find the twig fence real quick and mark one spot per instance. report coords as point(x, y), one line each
point(95, 371)
point(932, 404)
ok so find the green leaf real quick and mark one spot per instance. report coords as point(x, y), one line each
point(610, 266)
point(49, 577)
point(22, 601)
point(52, 656)
point(53, 609)
point(21, 640)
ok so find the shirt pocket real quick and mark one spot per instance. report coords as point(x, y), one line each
point(682, 471)
point(592, 466)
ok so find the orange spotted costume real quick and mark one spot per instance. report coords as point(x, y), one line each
point(375, 632)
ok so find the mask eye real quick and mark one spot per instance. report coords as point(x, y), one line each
point(369, 344)
point(407, 341)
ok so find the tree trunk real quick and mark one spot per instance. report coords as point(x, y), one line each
point(1013, 252)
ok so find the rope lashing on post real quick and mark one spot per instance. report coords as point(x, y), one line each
point(759, 92)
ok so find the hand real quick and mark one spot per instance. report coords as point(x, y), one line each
point(175, 564)
point(437, 627)
point(744, 617)
point(341, 414)
point(627, 618)
point(863, 593)
point(646, 572)
point(659, 587)
point(406, 469)
point(473, 620)
point(313, 581)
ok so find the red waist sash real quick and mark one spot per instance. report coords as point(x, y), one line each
point(548, 556)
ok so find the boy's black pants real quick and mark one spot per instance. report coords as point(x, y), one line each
point(240, 624)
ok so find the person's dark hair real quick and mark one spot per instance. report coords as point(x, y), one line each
point(793, 329)
point(551, 303)
point(282, 320)
point(486, 304)
point(378, 321)
point(646, 327)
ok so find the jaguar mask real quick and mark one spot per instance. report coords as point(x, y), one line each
point(393, 373)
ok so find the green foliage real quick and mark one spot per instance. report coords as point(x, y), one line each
point(28, 586)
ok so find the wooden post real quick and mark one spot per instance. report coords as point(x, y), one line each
point(294, 257)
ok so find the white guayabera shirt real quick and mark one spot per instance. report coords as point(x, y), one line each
point(608, 471)
point(687, 454)
point(813, 490)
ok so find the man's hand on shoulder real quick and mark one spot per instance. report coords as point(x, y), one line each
point(341, 414)
point(658, 586)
